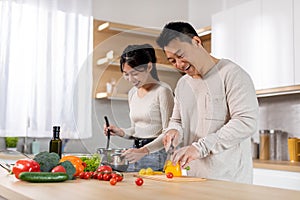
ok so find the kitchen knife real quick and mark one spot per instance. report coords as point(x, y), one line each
point(169, 154)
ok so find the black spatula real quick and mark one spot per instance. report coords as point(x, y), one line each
point(108, 132)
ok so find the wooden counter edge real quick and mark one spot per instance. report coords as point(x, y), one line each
point(10, 194)
point(277, 165)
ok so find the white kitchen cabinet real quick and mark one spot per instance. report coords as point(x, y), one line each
point(236, 36)
point(260, 40)
point(277, 43)
point(276, 178)
point(248, 41)
point(223, 34)
point(297, 40)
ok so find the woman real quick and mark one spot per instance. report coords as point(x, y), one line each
point(150, 103)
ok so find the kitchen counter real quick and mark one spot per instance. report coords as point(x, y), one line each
point(12, 188)
point(277, 165)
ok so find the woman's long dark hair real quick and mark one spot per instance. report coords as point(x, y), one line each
point(138, 57)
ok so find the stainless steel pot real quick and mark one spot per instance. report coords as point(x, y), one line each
point(113, 158)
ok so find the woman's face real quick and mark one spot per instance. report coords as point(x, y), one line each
point(136, 78)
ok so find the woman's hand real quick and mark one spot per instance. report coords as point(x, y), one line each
point(133, 155)
point(185, 155)
point(113, 130)
point(171, 137)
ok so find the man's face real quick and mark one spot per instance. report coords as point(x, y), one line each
point(181, 55)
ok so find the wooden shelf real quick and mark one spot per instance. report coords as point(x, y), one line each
point(105, 95)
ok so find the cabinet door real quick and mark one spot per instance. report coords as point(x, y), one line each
point(297, 40)
point(223, 34)
point(276, 178)
point(248, 40)
point(277, 43)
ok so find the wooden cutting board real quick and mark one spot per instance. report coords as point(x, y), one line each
point(174, 179)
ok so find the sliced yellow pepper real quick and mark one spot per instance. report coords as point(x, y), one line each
point(149, 171)
point(175, 169)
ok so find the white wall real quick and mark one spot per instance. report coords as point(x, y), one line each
point(200, 11)
point(145, 13)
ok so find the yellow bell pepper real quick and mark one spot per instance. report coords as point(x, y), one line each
point(175, 169)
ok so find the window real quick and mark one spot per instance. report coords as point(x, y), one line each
point(45, 68)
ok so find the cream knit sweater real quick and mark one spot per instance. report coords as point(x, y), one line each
point(218, 115)
point(150, 115)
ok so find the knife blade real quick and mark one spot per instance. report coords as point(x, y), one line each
point(171, 149)
point(170, 152)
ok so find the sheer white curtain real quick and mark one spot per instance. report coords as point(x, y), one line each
point(45, 67)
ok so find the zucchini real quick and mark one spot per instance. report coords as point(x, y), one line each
point(43, 177)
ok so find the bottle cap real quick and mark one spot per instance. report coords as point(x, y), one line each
point(56, 128)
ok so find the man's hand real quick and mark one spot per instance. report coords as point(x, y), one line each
point(185, 155)
point(171, 137)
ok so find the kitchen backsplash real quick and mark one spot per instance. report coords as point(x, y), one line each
point(280, 113)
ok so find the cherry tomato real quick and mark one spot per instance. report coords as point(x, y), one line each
point(104, 168)
point(119, 178)
point(117, 175)
point(100, 176)
point(87, 175)
point(114, 175)
point(95, 176)
point(106, 177)
point(81, 175)
point(169, 175)
point(113, 181)
point(139, 181)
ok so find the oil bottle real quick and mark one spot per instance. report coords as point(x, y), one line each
point(56, 143)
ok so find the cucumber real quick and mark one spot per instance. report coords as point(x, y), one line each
point(43, 177)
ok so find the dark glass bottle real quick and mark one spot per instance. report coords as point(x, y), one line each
point(56, 143)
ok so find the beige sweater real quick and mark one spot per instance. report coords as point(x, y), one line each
point(218, 115)
point(150, 115)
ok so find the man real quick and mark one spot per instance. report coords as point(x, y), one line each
point(215, 112)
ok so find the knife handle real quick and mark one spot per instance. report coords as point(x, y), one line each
point(108, 131)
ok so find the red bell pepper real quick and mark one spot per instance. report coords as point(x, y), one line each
point(25, 165)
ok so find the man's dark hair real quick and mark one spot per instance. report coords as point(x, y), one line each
point(181, 30)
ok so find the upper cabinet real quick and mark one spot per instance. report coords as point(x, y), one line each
point(248, 41)
point(277, 43)
point(260, 40)
point(223, 34)
point(297, 40)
